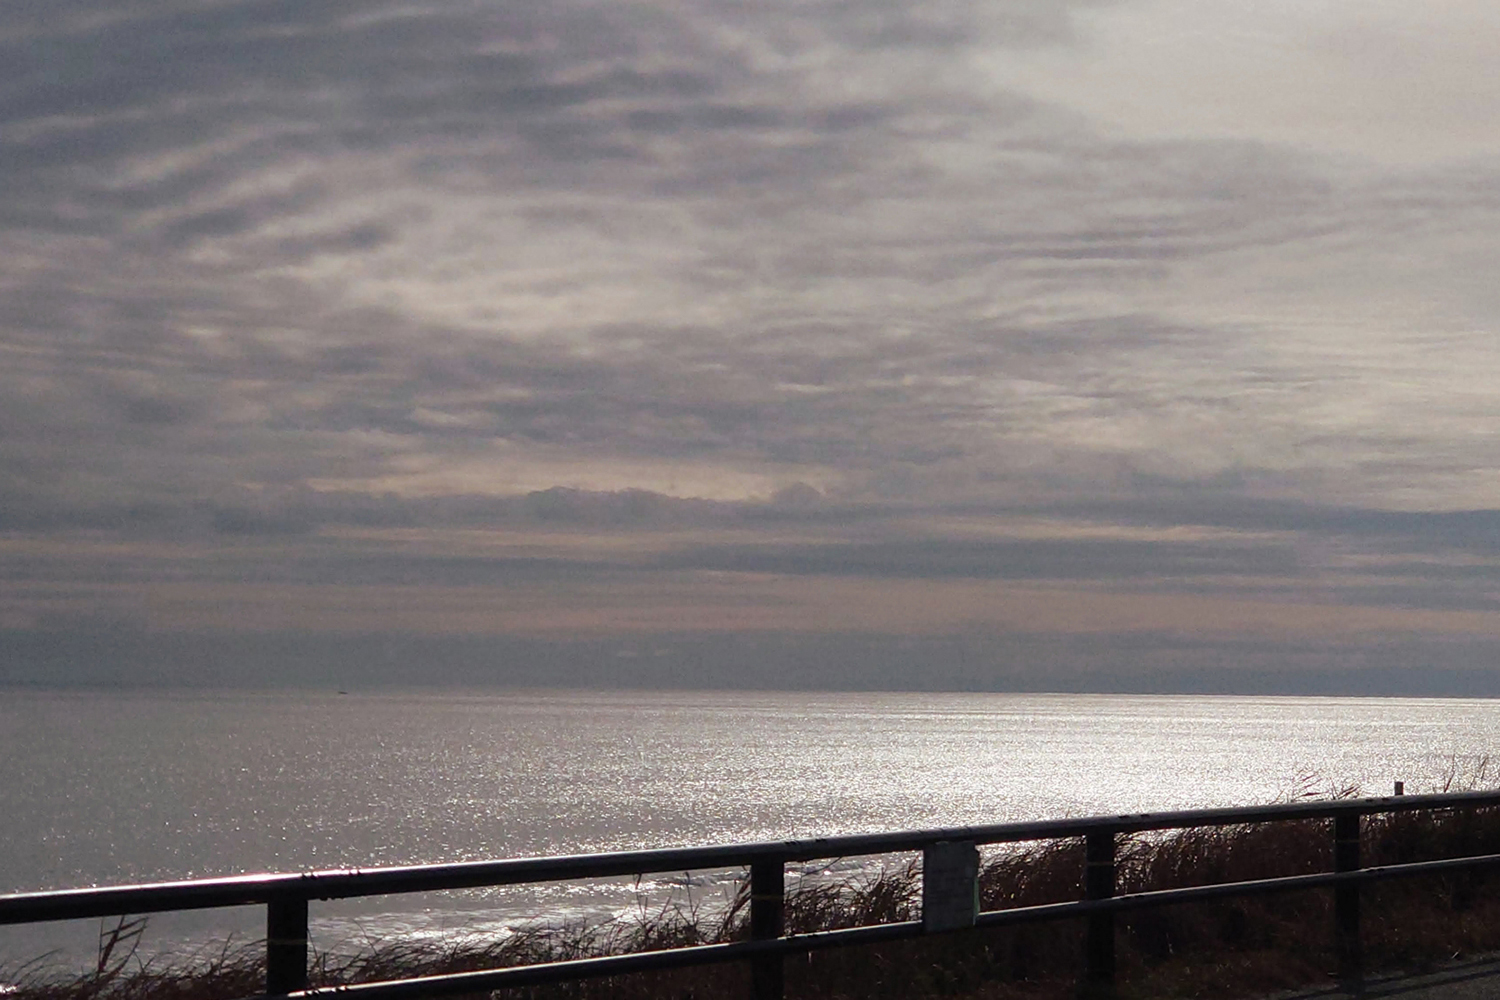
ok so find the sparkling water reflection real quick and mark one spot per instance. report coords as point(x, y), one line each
point(117, 788)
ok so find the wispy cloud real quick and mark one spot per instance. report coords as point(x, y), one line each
point(632, 294)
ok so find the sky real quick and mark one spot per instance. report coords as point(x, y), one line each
point(969, 344)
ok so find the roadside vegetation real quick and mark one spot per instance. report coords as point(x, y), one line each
point(1235, 947)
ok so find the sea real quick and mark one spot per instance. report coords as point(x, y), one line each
point(107, 788)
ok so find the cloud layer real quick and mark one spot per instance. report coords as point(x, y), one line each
point(689, 302)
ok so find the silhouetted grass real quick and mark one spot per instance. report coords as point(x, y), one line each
point(1242, 947)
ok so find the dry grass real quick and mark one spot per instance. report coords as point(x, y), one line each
point(1238, 947)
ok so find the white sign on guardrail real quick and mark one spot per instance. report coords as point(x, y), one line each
point(950, 885)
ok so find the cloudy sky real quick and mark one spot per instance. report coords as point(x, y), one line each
point(973, 343)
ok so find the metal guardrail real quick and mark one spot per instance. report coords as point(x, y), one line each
point(287, 896)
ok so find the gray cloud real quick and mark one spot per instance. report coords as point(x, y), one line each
point(275, 269)
point(1046, 560)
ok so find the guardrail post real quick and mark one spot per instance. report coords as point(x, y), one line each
point(286, 944)
point(1099, 942)
point(1346, 903)
point(768, 921)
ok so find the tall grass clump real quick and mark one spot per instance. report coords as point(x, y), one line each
point(1233, 947)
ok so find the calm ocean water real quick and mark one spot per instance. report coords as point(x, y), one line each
point(114, 788)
